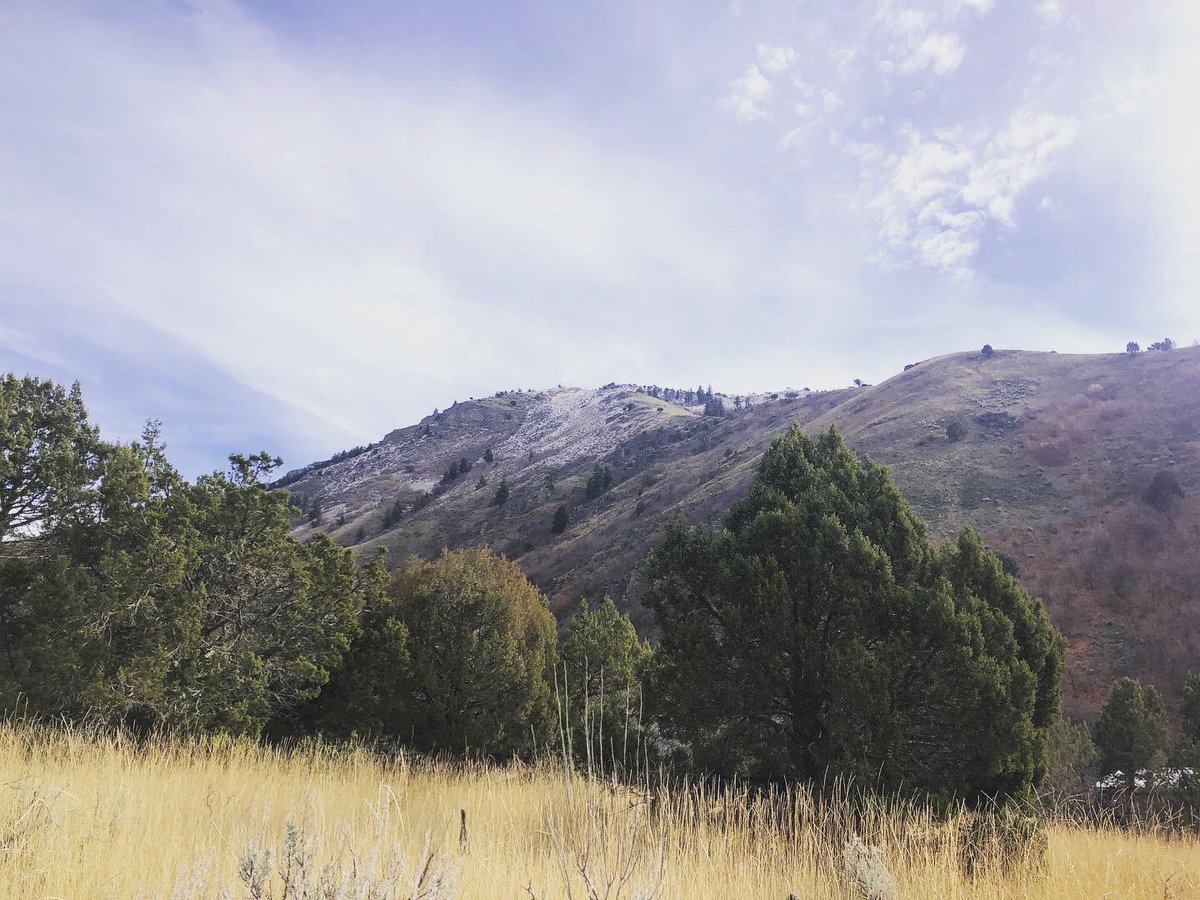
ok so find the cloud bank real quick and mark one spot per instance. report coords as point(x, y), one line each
point(305, 236)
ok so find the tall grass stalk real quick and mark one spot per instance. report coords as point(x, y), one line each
point(95, 814)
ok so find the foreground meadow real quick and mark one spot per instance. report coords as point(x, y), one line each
point(85, 816)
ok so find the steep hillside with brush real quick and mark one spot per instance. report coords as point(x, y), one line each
point(1084, 470)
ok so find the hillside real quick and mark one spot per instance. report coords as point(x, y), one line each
point(1053, 469)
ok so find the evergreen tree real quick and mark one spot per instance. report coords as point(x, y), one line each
point(394, 513)
point(603, 661)
point(1073, 759)
point(487, 456)
point(457, 656)
point(562, 518)
point(502, 494)
point(50, 461)
point(1132, 728)
point(1133, 348)
point(598, 482)
point(177, 605)
point(715, 408)
point(1191, 717)
point(1191, 708)
point(822, 631)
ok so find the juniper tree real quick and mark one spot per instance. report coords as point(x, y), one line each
point(50, 460)
point(1191, 709)
point(1188, 750)
point(603, 660)
point(156, 602)
point(598, 482)
point(502, 494)
point(821, 631)
point(457, 655)
point(1132, 728)
point(394, 513)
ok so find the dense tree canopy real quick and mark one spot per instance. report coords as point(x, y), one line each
point(1132, 728)
point(1191, 709)
point(49, 459)
point(458, 655)
point(821, 630)
point(151, 601)
point(603, 661)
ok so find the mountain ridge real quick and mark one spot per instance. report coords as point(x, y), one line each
point(1056, 457)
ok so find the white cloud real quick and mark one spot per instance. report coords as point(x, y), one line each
point(349, 246)
point(1015, 158)
point(982, 7)
point(933, 200)
point(404, 234)
point(748, 95)
point(941, 52)
point(776, 60)
point(830, 101)
point(904, 20)
point(1049, 11)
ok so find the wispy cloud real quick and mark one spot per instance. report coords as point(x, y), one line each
point(935, 198)
point(932, 179)
point(748, 95)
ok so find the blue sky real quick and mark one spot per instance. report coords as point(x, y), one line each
point(295, 226)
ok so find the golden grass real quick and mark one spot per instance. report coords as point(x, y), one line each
point(100, 816)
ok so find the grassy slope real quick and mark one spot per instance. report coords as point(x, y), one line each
point(104, 818)
point(1060, 488)
point(1054, 477)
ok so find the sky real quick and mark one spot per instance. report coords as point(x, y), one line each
point(295, 225)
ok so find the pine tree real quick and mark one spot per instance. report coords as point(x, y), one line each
point(562, 518)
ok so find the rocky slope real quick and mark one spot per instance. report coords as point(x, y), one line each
point(1057, 457)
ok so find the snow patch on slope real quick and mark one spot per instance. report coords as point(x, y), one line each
point(566, 424)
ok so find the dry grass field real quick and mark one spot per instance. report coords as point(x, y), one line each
point(85, 816)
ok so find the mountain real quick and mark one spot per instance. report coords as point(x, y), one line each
point(1073, 466)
